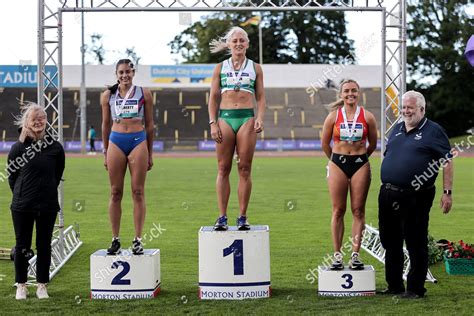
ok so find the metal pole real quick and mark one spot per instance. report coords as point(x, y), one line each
point(383, 103)
point(40, 99)
point(403, 50)
point(60, 128)
point(260, 48)
point(83, 88)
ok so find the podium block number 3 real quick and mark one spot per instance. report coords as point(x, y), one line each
point(237, 249)
point(118, 280)
point(349, 282)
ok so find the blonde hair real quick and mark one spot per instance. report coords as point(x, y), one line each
point(22, 119)
point(222, 43)
point(340, 102)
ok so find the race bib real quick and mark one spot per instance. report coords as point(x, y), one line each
point(128, 110)
point(345, 132)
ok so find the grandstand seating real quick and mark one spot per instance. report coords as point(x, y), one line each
point(291, 113)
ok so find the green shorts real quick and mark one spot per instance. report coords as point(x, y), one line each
point(236, 117)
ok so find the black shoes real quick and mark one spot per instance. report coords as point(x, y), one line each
point(400, 293)
point(115, 247)
point(355, 263)
point(410, 295)
point(337, 263)
point(388, 291)
point(242, 223)
point(137, 247)
point(221, 223)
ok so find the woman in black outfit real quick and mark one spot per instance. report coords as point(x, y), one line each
point(35, 166)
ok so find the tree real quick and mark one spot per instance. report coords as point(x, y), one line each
point(96, 48)
point(438, 32)
point(288, 37)
point(132, 54)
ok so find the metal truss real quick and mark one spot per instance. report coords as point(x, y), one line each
point(371, 243)
point(50, 84)
point(393, 36)
point(60, 254)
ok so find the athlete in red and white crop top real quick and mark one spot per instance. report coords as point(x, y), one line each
point(342, 132)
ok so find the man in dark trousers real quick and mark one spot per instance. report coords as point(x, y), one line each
point(92, 138)
point(416, 149)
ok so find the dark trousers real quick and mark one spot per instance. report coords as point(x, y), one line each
point(23, 224)
point(404, 216)
point(92, 144)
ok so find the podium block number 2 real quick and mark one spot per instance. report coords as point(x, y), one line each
point(118, 279)
point(237, 250)
point(349, 283)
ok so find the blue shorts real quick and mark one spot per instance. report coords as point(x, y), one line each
point(127, 141)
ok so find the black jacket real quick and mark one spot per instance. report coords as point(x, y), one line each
point(35, 170)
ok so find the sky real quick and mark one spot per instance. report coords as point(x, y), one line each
point(149, 33)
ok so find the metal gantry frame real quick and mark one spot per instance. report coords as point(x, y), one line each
point(50, 18)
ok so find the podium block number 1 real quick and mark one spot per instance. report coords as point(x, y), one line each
point(117, 280)
point(237, 249)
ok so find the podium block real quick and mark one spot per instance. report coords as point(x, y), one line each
point(233, 264)
point(346, 282)
point(125, 276)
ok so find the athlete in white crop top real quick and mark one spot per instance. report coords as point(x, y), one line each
point(127, 135)
point(238, 83)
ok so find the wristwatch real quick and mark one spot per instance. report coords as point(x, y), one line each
point(211, 122)
point(448, 192)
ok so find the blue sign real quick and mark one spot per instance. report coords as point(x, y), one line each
point(24, 76)
point(183, 71)
point(206, 145)
point(308, 145)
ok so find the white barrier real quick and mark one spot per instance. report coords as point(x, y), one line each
point(371, 243)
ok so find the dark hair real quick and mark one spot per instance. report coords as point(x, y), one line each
point(127, 61)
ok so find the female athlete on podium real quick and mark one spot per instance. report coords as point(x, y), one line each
point(238, 83)
point(127, 133)
point(350, 126)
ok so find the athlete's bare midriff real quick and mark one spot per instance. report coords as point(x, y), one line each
point(344, 148)
point(237, 100)
point(128, 126)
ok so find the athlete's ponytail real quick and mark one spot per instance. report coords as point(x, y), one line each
point(113, 88)
point(339, 103)
point(222, 43)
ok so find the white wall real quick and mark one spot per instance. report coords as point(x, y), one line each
point(275, 76)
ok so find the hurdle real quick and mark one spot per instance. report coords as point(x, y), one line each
point(5, 253)
point(61, 252)
point(371, 243)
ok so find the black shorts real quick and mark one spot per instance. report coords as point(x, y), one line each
point(349, 164)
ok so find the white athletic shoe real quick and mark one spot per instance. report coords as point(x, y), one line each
point(337, 263)
point(42, 292)
point(21, 291)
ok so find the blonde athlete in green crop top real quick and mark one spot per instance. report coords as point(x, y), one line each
point(238, 81)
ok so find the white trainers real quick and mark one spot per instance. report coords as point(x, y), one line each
point(21, 291)
point(337, 263)
point(42, 292)
point(355, 263)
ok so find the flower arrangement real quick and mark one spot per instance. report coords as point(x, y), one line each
point(435, 250)
point(459, 250)
point(459, 258)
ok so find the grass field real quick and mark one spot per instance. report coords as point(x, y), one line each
point(181, 198)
